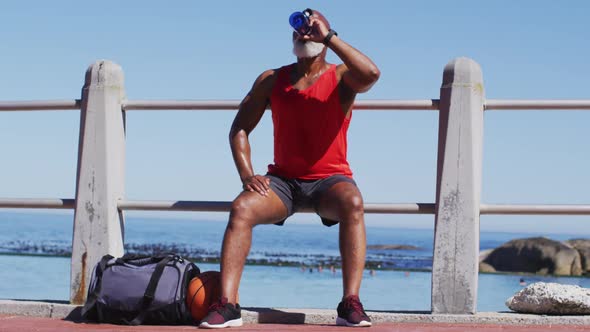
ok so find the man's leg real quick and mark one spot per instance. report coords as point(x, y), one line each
point(248, 210)
point(343, 202)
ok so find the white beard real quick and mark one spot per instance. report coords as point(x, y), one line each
point(307, 49)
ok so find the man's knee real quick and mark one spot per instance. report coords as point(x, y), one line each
point(352, 207)
point(241, 213)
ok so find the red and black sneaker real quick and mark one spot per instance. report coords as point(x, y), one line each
point(351, 313)
point(222, 314)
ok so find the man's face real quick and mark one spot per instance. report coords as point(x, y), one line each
point(306, 49)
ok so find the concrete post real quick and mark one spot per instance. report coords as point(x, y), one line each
point(458, 189)
point(98, 224)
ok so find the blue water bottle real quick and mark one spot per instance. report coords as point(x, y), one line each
point(300, 21)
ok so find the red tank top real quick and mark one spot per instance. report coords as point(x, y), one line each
point(309, 128)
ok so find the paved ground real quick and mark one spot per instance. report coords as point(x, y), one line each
point(23, 324)
point(22, 316)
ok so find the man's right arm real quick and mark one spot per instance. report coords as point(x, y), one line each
point(249, 114)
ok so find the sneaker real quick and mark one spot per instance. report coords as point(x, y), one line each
point(222, 314)
point(351, 313)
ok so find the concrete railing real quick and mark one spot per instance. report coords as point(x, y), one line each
point(100, 193)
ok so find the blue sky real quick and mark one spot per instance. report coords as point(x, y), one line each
point(215, 50)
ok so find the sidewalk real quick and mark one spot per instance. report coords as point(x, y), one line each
point(24, 324)
point(21, 316)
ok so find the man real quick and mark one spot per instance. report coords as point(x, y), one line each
point(311, 102)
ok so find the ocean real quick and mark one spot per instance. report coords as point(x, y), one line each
point(289, 266)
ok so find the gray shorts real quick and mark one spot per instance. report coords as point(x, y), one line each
point(297, 194)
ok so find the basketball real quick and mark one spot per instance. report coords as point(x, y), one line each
point(203, 290)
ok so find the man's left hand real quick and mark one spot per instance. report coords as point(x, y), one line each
point(319, 31)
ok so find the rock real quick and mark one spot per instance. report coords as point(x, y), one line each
point(392, 247)
point(583, 247)
point(535, 255)
point(484, 254)
point(484, 267)
point(552, 299)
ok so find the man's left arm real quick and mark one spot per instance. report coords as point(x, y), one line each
point(358, 72)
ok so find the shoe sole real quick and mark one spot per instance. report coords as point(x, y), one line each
point(229, 323)
point(344, 322)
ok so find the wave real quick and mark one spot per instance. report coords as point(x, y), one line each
point(375, 259)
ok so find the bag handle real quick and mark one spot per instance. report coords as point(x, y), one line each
point(150, 291)
point(141, 260)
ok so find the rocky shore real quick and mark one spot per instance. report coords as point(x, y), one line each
point(539, 255)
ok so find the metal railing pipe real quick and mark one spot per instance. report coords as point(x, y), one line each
point(398, 105)
point(203, 105)
point(419, 104)
point(522, 104)
point(232, 105)
point(37, 203)
point(40, 105)
point(400, 208)
point(202, 206)
point(225, 206)
point(570, 209)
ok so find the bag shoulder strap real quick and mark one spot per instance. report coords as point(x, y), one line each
point(150, 291)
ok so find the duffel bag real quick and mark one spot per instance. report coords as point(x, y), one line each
point(139, 289)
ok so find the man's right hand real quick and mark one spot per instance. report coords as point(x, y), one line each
point(257, 183)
